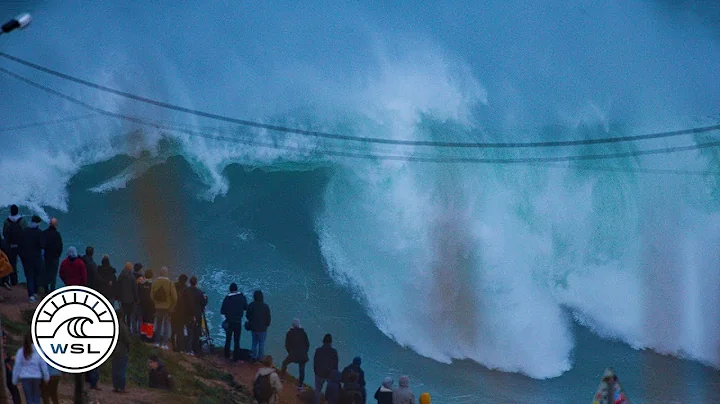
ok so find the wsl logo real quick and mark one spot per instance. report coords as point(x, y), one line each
point(75, 329)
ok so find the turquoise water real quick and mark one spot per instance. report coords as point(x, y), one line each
point(261, 235)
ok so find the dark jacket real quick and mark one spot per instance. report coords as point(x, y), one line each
point(92, 270)
point(122, 348)
point(258, 313)
point(106, 281)
point(297, 345)
point(160, 378)
point(233, 307)
point(53, 243)
point(32, 242)
point(325, 361)
point(334, 389)
point(352, 393)
point(147, 307)
point(72, 272)
point(354, 367)
point(194, 301)
point(13, 231)
point(127, 292)
point(383, 395)
point(180, 310)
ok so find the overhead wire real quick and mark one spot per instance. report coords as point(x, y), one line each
point(47, 123)
point(384, 157)
point(336, 136)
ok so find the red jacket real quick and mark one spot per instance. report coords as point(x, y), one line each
point(73, 272)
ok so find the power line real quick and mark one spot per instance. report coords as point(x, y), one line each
point(335, 136)
point(367, 156)
point(46, 123)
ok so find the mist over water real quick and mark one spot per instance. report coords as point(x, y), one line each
point(489, 263)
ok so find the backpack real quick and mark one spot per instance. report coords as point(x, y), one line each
point(15, 233)
point(262, 388)
point(160, 295)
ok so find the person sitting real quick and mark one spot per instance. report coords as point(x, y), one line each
point(267, 384)
point(158, 376)
point(384, 394)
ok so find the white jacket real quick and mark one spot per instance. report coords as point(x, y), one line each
point(33, 368)
point(274, 381)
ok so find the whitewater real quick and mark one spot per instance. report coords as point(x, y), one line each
point(493, 263)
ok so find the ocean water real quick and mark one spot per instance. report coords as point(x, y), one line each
point(484, 283)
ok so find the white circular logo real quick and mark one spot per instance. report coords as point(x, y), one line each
point(75, 329)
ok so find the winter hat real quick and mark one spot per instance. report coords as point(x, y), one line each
point(387, 382)
point(72, 252)
point(357, 361)
point(138, 267)
point(36, 219)
point(14, 210)
point(296, 323)
point(233, 287)
point(404, 381)
point(425, 398)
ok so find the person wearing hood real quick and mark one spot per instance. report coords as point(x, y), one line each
point(403, 394)
point(384, 394)
point(267, 384)
point(334, 388)
point(258, 315)
point(158, 376)
point(355, 367)
point(425, 398)
point(178, 317)
point(233, 308)
point(325, 364)
point(32, 256)
point(72, 269)
point(13, 234)
point(53, 252)
point(127, 293)
point(297, 346)
point(91, 267)
point(106, 279)
point(164, 298)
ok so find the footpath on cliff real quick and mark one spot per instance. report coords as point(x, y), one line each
point(206, 379)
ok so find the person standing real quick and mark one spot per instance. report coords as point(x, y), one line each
point(127, 293)
point(325, 364)
point(147, 307)
point(32, 257)
point(29, 370)
point(9, 362)
point(120, 357)
point(233, 308)
point(258, 315)
point(13, 233)
point(194, 302)
point(179, 317)
point(106, 279)
point(49, 390)
point(164, 298)
point(403, 394)
point(72, 269)
point(355, 367)
point(136, 321)
point(297, 346)
point(53, 252)
point(384, 394)
point(91, 267)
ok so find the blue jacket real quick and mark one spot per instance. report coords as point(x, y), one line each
point(233, 307)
